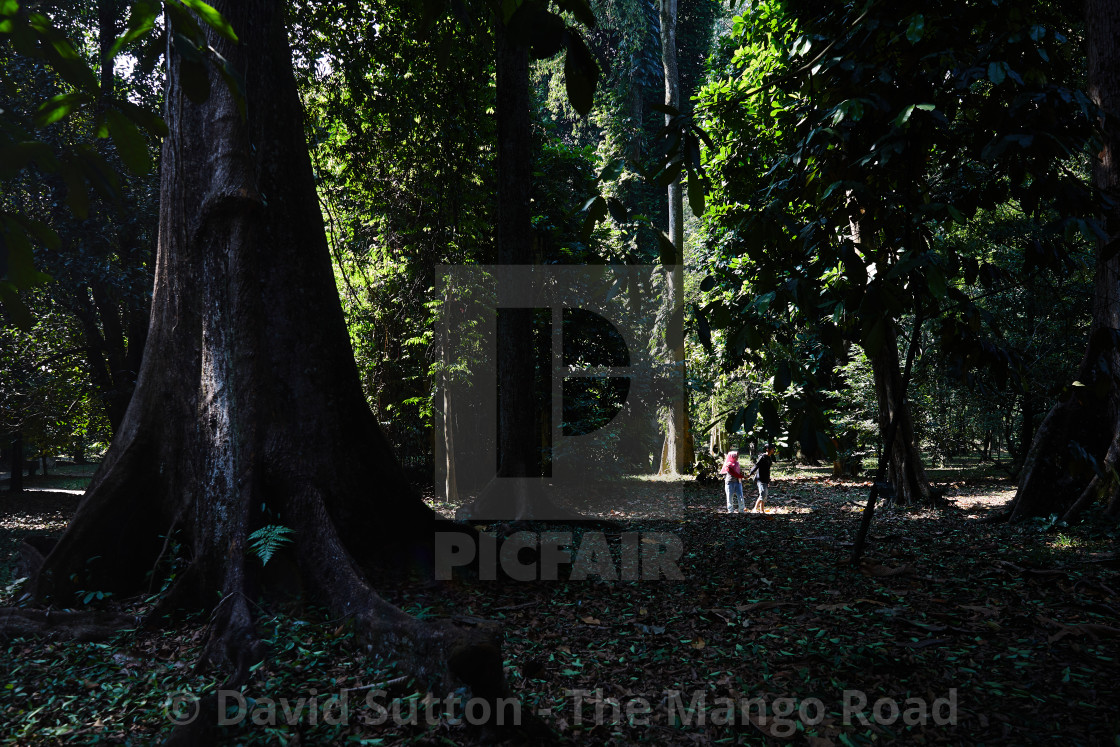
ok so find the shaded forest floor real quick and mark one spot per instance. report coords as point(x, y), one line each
point(1010, 632)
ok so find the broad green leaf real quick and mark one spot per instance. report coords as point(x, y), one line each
point(771, 422)
point(733, 421)
point(183, 23)
point(58, 107)
point(581, 9)
point(916, 29)
point(151, 122)
point(101, 176)
point(612, 170)
point(874, 334)
point(20, 265)
point(669, 253)
point(617, 210)
point(40, 231)
point(141, 20)
point(596, 209)
point(195, 79)
point(235, 83)
point(782, 377)
point(212, 18)
point(16, 156)
point(670, 174)
point(750, 416)
point(997, 72)
point(665, 109)
point(696, 193)
point(935, 279)
point(581, 73)
point(703, 329)
point(131, 145)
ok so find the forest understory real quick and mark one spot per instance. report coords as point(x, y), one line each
point(1015, 629)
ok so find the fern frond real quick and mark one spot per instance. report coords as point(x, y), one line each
point(268, 539)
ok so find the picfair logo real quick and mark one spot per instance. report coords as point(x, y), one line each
point(600, 381)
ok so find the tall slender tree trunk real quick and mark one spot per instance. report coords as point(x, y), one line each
point(678, 452)
point(450, 478)
point(15, 483)
point(1058, 475)
point(905, 471)
point(519, 441)
point(516, 410)
point(248, 410)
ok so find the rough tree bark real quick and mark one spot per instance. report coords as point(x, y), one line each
point(248, 409)
point(677, 453)
point(1055, 477)
point(905, 471)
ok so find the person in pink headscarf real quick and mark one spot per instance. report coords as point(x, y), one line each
point(733, 483)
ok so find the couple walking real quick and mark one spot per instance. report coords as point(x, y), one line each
point(733, 480)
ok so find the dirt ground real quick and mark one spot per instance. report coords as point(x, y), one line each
point(952, 631)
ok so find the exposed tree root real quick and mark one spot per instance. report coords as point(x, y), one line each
point(1098, 487)
point(81, 625)
point(1056, 477)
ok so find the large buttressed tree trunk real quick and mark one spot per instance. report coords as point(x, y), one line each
point(248, 409)
point(1057, 475)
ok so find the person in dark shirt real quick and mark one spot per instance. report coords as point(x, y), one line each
point(761, 473)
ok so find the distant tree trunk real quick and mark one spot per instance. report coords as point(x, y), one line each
point(905, 470)
point(1085, 425)
point(516, 410)
point(717, 437)
point(248, 410)
point(114, 329)
point(15, 485)
point(108, 11)
point(450, 479)
point(519, 453)
point(677, 454)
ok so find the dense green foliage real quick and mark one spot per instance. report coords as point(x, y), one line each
point(873, 163)
point(852, 166)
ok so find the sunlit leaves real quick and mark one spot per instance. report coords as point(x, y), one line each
point(212, 18)
point(545, 33)
point(59, 107)
point(141, 21)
